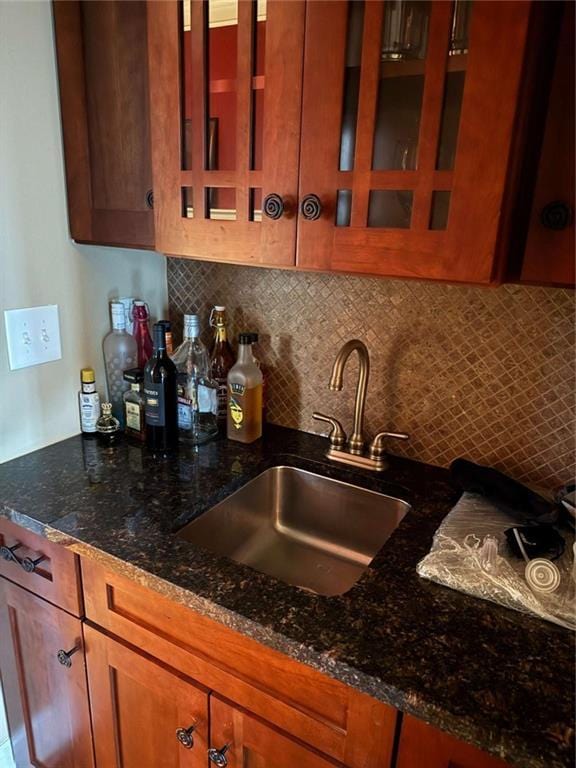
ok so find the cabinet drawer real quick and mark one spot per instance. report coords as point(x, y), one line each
point(46, 569)
point(301, 701)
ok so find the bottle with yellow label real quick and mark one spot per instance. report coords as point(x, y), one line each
point(244, 412)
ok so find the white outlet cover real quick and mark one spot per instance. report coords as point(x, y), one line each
point(32, 335)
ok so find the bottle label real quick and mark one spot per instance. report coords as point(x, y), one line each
point(237, 389)
point(89, 411)
point(184, 413)
point(222, 398)
point(133, 417)
point(207, 399)
point(154, 408)
point(236, 413)
point(88, 387)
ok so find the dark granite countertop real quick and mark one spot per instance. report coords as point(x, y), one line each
point(491, 676)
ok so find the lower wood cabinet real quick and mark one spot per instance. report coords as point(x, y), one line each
point(246, 742)
point(422, 745)
point(44, 682)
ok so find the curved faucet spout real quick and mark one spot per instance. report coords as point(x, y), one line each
point(356, 443)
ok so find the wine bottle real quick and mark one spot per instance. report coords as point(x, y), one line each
point(161, 408)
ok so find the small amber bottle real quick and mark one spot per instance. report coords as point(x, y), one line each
point(244, 419)
point(134, 402)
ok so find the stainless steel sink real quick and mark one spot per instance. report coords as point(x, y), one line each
point(305, 529)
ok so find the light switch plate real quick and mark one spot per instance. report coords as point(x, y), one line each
point(32, 335)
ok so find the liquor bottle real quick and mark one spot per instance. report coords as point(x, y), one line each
point(244, 422)
point(108, 426)
point(134, 405)
point(89, 402)
point(197, 391)
point(169, 340)
point(120, 353)
point(161, 398)
point(254, 337)
point(222, 358)
point(141, 333)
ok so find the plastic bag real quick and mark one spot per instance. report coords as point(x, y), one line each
point(470, 554)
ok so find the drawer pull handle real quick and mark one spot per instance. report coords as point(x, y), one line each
point(26, 563)
point(184, 736)
point(29, 565)
point(218, 756)
point(64, 657)
point(7, 553)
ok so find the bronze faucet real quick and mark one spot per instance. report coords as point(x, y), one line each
point(354, 454)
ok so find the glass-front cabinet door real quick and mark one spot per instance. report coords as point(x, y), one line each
point(408, 123)
point(225, 87)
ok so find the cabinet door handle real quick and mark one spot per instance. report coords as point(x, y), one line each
point(150, 199)
point(184, 736)
point(273, 206)
point(218, 756)
point(311, 207)
point(556, 215)
point(64, 657)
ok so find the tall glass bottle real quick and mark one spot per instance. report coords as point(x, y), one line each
point(141, 316)
point(197, 391)
point(161, 409)
point(120, 353)
point(244, 422)
point(222, 358)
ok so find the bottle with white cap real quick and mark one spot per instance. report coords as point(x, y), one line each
point(197, 391)
point(120, 354)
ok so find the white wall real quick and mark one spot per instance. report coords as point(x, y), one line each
point(39, 264)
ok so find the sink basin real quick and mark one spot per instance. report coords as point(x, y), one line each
point(305, 529)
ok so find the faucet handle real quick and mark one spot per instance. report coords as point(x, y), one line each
point(377, 445)
point(337, 435)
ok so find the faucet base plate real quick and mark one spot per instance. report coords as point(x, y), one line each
point(365, 462)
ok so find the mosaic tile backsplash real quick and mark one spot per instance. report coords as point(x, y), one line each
point(487, 374)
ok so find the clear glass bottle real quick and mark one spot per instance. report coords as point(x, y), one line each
point(120, 354)
point(197, 391)
point(108, 426)
point(141, 315)
point(134, 405)
point(222, 357)
point(244, 422)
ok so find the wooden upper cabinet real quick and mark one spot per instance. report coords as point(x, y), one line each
point(46, 699)
point(103, 78)
point(549, 253)
point(225, 85)
point(408, 127)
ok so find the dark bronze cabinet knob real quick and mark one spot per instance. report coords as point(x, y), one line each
point(273, 206)
point(184, 736)
point(64, 657)
point(311, 207)
point(218, 756)
point(556, 215)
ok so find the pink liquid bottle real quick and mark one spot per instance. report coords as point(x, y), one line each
point(141, 316)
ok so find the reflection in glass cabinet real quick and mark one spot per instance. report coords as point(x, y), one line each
point(223, 37)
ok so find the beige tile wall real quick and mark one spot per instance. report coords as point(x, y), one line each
point(483, 373)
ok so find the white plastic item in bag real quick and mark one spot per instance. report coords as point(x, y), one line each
point(470, 554)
